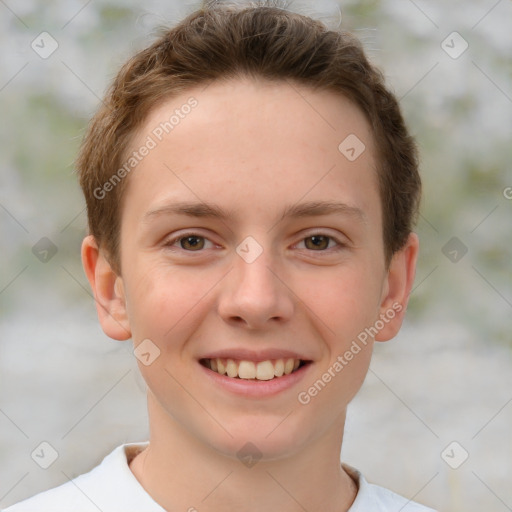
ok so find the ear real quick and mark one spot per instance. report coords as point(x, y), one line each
point(108, 291)
point(397, 289)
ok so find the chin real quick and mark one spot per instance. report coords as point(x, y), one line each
point(265, 439)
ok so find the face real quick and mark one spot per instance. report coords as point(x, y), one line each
point(251, 244)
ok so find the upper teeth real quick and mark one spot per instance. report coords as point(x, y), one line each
point(263, 370)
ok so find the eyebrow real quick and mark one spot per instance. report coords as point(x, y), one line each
point(190, 209)
point(206, 210)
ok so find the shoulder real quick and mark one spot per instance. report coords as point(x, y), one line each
point(58, 499)
point(110, 487)
point(378, 499)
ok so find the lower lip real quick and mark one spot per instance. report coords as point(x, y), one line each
point(257, 388)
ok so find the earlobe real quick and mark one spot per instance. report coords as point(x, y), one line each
point(108, 291)
point(398, 286)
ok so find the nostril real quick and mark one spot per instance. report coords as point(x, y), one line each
point(237, 320)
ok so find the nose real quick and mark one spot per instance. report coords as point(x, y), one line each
point(254, 295)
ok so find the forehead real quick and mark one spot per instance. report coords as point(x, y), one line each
point(243, 140)
point(251, 103)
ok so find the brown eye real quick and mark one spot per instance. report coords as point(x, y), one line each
point(192, 243)
point(317, 242)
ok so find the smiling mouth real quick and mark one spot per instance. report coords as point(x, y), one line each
point(250, 370)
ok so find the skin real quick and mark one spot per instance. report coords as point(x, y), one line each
point(252, 148)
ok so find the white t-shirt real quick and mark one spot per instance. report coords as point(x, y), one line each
point(112, 487)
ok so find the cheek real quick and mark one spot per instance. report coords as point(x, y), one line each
point(344, 302)
point(164, 302)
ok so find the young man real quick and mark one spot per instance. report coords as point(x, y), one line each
point(251, 190)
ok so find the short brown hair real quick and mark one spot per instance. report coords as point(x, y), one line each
point(222, 42)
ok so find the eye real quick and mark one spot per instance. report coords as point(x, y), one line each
point(193, 242)
point(190, 242)
point(319, 242)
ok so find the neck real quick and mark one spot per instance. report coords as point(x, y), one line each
point(182, 473)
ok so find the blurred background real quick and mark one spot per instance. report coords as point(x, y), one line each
point(433, 420)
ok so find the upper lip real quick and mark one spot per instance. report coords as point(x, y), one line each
point(242, 354)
